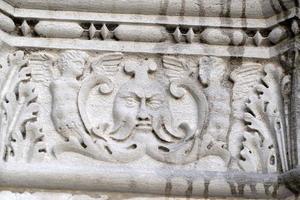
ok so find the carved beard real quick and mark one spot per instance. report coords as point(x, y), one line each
point(122, 130)
point(164, 129)
point(181, 151)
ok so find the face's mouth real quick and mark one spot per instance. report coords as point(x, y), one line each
point(144, 125)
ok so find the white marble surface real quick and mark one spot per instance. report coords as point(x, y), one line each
point(177, 99)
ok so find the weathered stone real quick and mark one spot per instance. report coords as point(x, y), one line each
point(149, 100)
point(53, 29)
point(141, 33)
point(6, 23)
point(223, 37)
point(278, 34)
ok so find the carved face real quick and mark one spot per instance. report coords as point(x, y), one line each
point(140, 106)
point(74, 67)
point(72, 63)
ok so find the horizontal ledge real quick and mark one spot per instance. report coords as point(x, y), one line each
point(153, 19)
point(144, 47)
point(148, 19)
point(116, 178)
point(213, 8)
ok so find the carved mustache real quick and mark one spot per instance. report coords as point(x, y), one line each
point(122, 131)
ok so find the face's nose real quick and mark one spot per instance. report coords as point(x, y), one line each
point(143, 114)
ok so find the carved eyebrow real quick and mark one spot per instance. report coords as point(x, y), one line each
point(129, 94)
point(154, 96)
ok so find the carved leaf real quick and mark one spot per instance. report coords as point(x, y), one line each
point(255, 153)
point(265, 117)
point(251, 162)
point(107, 64)
point(256, 118)
point(13, 72)
point(18, 109)
point(28, 146)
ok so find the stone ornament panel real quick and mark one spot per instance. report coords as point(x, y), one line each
point(188, 124)
point(166, 98)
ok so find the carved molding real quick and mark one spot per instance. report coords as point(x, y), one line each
point(106, 32)
point(281, 14)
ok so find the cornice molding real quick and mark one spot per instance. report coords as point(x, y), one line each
point(199, 36)
point(83, 16)
point(177, 41)
point(143, 47)
point(198, 8)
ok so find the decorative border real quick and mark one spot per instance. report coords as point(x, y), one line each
point(228, 37)
point(150, 19)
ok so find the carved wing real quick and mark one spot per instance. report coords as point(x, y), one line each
point(107, 64)
point(175, 69)
point(43, 68)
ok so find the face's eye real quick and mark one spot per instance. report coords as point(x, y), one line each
point(131, 101)
point(154, 103)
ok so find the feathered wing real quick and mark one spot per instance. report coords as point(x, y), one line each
point(43, 68)
point(174, 68)
point(107, 64)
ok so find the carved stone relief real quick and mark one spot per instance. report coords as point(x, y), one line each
point(179, 99)
point(141, 120)
point(128, 109)
point(21, 133)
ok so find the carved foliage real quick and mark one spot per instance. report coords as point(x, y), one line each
point(19, 132)
point(266, 120)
